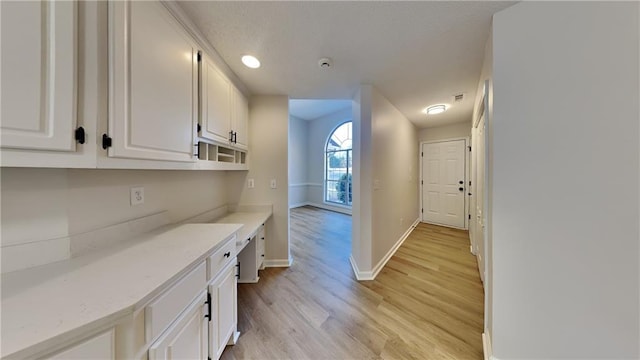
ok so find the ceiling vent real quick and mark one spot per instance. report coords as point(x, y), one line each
point(458, 98)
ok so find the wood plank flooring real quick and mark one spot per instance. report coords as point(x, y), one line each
point(427, 303)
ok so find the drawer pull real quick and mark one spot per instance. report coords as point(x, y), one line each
point(227, 254)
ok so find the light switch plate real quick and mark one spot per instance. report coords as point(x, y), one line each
point(273, 184)
point(251, 183)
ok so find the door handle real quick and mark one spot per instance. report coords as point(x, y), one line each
point(461, 189)
point(460, 182)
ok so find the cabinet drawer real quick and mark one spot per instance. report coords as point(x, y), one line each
point(221, 257)
point(162, 311)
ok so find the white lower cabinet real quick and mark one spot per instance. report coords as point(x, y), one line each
point(222, 328)
point(186, 338)
point(100, 347)
point(203, 328)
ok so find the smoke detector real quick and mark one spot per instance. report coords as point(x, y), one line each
point(325, 63)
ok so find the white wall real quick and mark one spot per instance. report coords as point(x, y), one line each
point(361, 226)
point(298, 167)
point(457, 130)
point(566, 181)
point(42, 207)
point(385, 177)
point(319, 131)
point(268, 159)
point(486, 74)
point(395, 175)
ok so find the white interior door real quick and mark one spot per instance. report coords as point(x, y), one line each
point(479, 193)
point(443, 183)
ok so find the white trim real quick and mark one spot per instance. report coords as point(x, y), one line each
point(304, 184)
point(371, 275)
point(486, 346)
point(278, 262)
point(342, 210)
point(395, 248)
point(467, 163)
point(360, 275)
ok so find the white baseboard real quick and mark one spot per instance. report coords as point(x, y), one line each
point(486, 347)
point(370, 275)
point(346, 211)
point(278, 262)
point(360, 275)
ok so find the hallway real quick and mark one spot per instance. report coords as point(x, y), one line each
point(427, 303)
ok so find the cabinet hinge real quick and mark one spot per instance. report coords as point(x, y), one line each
point(238, 266)
point(199, 128)
point(208, 303)
point(80, 136)
point(422, 154)
point(422, 210)
point(106, 141)
point(199, 56)
point(469, 216)
point(421, 182)
point(197, 153)
point(469, 148)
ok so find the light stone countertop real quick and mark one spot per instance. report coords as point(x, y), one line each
point(49, 304)
point(251, 222)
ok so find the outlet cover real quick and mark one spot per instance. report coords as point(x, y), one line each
point(137, 195)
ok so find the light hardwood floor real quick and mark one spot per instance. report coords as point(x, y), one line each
point(427, 303)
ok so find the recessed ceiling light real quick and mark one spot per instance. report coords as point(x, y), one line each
point(251, 61)
point(435, 109)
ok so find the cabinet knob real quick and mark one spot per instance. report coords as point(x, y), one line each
point(227, 254)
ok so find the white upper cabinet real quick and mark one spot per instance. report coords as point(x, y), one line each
point(39, 73)
point(215, 106)
point(223, 108)
point(240, 120)
point(152, 83)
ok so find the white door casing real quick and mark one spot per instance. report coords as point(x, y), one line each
point(479, 193)
point(444, 183)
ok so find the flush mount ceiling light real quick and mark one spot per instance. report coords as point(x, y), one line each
point(435, 109)
point(251, 61)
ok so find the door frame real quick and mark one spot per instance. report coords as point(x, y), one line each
point(467, 171)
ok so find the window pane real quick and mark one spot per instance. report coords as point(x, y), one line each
point(338, 166)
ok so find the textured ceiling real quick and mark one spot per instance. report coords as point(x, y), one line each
point(415, 53)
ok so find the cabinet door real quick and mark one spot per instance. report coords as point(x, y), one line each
point(153, 83)
point(223, 327)
point(215, 107)
point(38, 74)
point(240, 123)
point(186, 338)
point(100, 347)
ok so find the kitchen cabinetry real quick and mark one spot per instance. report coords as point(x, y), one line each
point(187, 337)
point(99, 347)
point(153, 84)
point(39, 75)
point(223, 108)
point(251, 258)
point(222, 328)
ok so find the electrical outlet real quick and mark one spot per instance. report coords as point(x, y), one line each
point(251, 183)
point(273, 184)
point(137, 196)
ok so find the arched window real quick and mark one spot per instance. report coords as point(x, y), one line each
point(338, 166)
